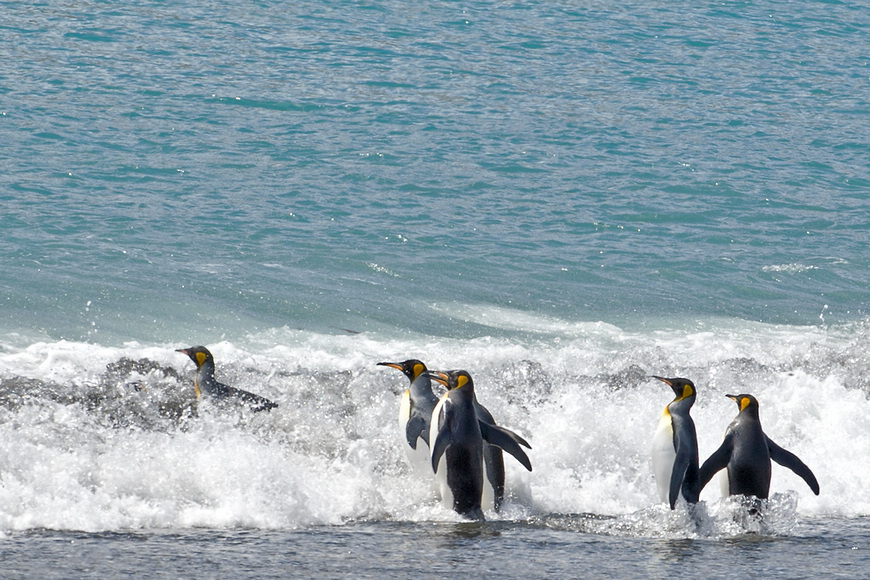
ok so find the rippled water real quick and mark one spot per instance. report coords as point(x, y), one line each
point(562, 198)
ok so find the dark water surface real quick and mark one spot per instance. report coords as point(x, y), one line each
point(818, 548)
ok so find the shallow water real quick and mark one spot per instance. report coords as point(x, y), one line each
point(819, 547)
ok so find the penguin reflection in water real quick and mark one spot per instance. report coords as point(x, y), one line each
point(205, 383)
point(745, 454)
point(675, 446)
point(458, 435)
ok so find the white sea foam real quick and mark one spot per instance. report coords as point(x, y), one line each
point(85, 451)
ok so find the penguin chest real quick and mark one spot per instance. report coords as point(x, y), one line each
point(663, 455)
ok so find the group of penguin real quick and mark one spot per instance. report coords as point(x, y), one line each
point(455, 439)
point(745, 452)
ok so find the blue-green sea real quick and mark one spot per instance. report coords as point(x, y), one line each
point(563, 198)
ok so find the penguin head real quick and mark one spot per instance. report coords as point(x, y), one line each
point(684, 389)
point(745, 402)
point(412, 368)
point(198, 354)
point(453, 380)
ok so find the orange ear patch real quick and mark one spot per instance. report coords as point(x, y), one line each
point(418, 370)
point(461, 381)
point(200, 358)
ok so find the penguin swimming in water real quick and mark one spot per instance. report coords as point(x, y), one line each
point(415, 412)
point(746, 453)
point(675, 446)
point(458, 434)
point(204, 381)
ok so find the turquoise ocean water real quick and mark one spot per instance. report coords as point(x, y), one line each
point(562, 197)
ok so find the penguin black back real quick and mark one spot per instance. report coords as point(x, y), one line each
point(746, 452)
point(205, 383)
point(456, 435)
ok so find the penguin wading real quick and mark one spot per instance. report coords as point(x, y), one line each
point(457, 435)
point(675, 446)
point(745, 454)
point(205, 383)
point(415, 412)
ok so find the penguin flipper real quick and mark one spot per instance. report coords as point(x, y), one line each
point(790, 460)
point(442, 442)
point(520, 440)
point(715, 463)
point(681, 464)
point(416, 428)
point(507, 440)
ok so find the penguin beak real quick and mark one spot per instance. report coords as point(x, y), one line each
point(437, 377)
point(732, 397)
point(396, 366)
point(183, 351)
point(678, 390)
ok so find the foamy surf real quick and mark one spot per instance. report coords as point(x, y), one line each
point(111, 438)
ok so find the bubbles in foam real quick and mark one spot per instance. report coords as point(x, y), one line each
point(85, 450)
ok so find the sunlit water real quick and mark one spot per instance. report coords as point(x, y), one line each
point(562, 199)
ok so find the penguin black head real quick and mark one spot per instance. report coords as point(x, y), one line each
point(198, 354)
point(452, 379)
point(412, 368)
point(745, 402)
point(683, 388)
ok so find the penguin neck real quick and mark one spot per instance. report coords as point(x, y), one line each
point(680, 406)
point(421, 389)
point(750, 413)
point(464, 393)
point(204, 376)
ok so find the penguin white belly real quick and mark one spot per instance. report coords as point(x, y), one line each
point(441, 475)
point(663, 456)
point(724, 483)
point(404, 412)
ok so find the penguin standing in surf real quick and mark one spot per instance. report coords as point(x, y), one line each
point(415, 413)
point(745, 454)
point(675, 446)
point(457, 435)
point(205, 383)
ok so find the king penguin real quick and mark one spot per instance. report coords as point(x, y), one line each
point(746, 452)
point(415, 413)
point(675, 446)
point(457, 436)
point(204, 381)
